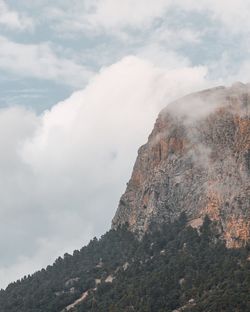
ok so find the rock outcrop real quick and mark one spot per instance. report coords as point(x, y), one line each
point(196, 160)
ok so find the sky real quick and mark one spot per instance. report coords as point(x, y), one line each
point(81, 84)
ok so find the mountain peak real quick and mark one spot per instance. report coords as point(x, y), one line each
point(197, 161)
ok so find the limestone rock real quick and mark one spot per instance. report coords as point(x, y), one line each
point(196, 160)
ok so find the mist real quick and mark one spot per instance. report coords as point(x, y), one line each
point(63, 171)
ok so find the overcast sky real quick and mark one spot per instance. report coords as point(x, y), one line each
point(81, 83)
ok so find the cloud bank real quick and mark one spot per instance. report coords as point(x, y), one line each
point(108, 15)
point(40, 61)
point(13, 20)
point(64, 171)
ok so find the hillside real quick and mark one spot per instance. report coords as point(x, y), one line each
point(173, 268)
point(180, 239)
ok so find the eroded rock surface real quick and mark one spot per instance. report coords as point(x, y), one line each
point(197, 160)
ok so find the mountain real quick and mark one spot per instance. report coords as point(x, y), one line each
point(180, 237)
point(197, 161)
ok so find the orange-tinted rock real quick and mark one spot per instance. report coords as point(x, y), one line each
point(197, 160)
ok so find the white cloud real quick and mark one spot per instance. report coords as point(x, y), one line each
point(119, 14)
point(161, 57)
point(40, 61)
point(67, 168)
point(105, 15)
point(242, 74)
point(235, 15)
point(13, 20)
point(114, 15)
point(176, 37)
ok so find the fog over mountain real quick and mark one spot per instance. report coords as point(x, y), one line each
point(81, 84)
point(63, 171)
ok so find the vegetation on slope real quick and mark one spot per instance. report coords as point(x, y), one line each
point(173, 267)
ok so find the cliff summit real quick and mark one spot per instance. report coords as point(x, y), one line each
point(197, 161)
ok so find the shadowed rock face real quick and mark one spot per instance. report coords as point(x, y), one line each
point(197, 160)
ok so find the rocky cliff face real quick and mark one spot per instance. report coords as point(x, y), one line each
point(196, 160)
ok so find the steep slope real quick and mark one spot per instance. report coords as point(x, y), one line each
point(196, 160)
point(196, 164)
point(174, 268)
point(62, 284)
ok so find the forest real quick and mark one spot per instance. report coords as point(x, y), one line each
point(173, 268)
